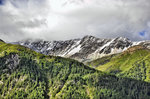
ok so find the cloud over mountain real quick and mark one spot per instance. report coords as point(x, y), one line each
point(65, 19)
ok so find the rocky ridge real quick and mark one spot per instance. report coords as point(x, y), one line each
point(85, 49)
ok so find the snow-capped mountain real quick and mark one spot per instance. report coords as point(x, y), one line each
point(85, 49)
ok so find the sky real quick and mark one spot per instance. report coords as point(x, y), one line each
point(69, 19)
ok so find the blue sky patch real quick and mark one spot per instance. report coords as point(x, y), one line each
point(142, 33)
point(1, 2)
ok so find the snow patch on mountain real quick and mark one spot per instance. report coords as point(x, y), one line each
point(107, 44)
point(85, 49)
point(75, 50)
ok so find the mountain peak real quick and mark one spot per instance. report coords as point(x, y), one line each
point(83, 49)
point(122, 38)
point(89, 36)
point(1, 40)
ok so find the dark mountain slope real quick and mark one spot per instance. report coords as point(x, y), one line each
point(27, 74)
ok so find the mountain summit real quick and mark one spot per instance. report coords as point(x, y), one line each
point(85, 49)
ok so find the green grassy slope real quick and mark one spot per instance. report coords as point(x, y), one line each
point(133, 63)
point(27, 74)
point(100, 61)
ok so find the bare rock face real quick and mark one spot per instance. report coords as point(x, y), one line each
point(85, 49)
point(89, 45)
point(12, 61)
point(1, 40)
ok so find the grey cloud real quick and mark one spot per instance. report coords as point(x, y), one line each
point(101, 18)
point(127, 20)
point(15, 20)
point(31, 23)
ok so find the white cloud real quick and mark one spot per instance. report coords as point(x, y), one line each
point(65, 19)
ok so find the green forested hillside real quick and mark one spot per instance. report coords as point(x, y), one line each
point(100, 61)
point(133, 63)
point(27, 74)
